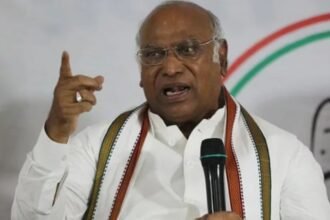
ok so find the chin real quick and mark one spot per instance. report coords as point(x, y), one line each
point(177, 113)
point(178, 117)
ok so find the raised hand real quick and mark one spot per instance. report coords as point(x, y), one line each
point(65, 110)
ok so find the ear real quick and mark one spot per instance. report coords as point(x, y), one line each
point(223, 51)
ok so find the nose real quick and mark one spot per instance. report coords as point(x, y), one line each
point(172, 65)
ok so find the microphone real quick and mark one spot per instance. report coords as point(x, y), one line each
point(213, 158)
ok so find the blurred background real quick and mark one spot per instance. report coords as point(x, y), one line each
point(279, 54)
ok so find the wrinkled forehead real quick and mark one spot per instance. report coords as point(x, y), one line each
point(175, 23)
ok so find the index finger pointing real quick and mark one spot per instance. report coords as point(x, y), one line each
point(65, 70)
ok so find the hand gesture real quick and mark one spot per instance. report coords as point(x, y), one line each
point(73, 95)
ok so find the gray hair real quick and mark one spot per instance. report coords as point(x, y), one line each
point(215, 24)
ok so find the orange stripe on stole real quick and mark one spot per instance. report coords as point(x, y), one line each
point(130, 169)
point(235, 193)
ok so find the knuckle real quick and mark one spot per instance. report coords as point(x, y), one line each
point(89, 97)
point(79, 79)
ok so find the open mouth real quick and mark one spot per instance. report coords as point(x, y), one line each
point(172, 91)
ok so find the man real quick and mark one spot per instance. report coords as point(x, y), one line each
point(147, 166)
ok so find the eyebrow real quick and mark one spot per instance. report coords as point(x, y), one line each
point(326, 130)
point(153, 45)
point(150, 46)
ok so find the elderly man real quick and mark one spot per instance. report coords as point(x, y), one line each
point(146, 165)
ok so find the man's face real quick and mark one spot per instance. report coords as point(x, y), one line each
point(180, 91)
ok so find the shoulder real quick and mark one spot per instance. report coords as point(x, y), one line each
point(296, 175)
point(276, 135)
point(288, 155)
point(285, 149)
point(90, 139)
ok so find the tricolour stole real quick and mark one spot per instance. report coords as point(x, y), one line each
point(238, 158)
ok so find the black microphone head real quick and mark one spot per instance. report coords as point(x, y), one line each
point(213, 152)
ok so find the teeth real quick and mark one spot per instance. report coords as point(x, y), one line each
point(170, 93)
point(175, 90)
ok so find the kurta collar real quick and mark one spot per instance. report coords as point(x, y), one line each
point(171, 135)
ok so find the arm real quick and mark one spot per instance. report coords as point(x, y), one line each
point(56, 179)
point(57, 175)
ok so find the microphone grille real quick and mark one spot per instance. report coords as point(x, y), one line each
point(213, 152)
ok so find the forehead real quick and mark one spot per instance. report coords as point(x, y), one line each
point(174, 23)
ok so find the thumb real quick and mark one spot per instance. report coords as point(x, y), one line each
point(99, 80)
point(65, 69)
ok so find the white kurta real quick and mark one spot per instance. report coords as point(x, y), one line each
point(168, 182)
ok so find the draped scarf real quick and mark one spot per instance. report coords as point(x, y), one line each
point(247, 166)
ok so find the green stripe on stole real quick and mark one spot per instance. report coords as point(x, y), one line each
point(105, 150)
point(264, 162)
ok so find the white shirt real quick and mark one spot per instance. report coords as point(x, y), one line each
point(168, 182)
point(169, 173)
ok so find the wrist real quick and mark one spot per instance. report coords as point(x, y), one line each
point(56, 133)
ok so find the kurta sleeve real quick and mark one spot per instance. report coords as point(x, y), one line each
point(56, 179)
point(303, 195)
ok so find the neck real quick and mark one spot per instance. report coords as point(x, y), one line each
point(187, 127)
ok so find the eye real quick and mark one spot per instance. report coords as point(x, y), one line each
point(188, 49)
point(152, 53)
